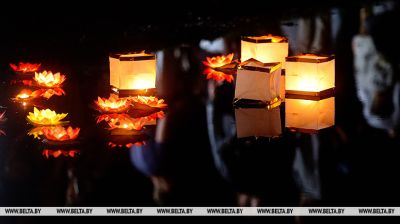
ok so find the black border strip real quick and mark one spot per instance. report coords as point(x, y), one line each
point(305, 95)
point(133, 58)
point(309, 60)
point(251, 40)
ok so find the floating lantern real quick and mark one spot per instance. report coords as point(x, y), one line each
point(36, 132)
point(113, 104)
point(217, 75)
point(218, 61)
point(133, 73)
point(266, 49)
point(25, 68)
point(150, 101)
point(48, 79)
point(45, 117)
point(310, 74)
point(309, 115)
point(57, 153)
point(48, 93)
point(258, 81)
point(258, 122)
point(60, 133)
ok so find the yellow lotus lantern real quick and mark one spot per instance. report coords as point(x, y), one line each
point(48, 79)
point(45, 117)
point(267, 49)
point(133, 73)
point(113, 104)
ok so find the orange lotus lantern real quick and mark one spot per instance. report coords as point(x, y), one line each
point(60, 133)
point(113, 104)
point(58, 153)
point(267, 49)
point(25, 68)
point(48, 93)
point(48, 79)
point(217, 75)
point(45, 117)
point(310, 74)
point(133, 73)
point(150, 101)
point(218, 61)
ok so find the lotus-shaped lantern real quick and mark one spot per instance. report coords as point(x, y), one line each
point(218, 61)
point(60, 133)
point(150, 101)
point(57, 153)
point(48, 79)
point(25, 67)
point(113, 104)
point(217, 75)
point(45, 117)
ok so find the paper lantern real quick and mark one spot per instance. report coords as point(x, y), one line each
point(258, 81)
point(266, 49)
point(133, 73)
point(309, 115)
point(310, 74)
point(258, 122)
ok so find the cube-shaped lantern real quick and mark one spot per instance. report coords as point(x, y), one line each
point(309, 73)
point(266, 49)
point(258, 81)
point(133, 72)
point(258, 122)
point(309, 115)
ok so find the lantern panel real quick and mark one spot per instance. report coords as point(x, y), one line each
point(309, 114)
point(266, 49)
point(258, 122)
point(258, 81)
point(310, 74)
point(133, 71)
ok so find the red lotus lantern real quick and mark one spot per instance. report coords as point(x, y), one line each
point(25, 68)
point(113, 104)
point(218, 61)
point(60, 133)
point(60, 153)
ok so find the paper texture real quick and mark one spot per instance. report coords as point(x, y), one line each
point(258, 122)
point(264, 52)
point(313, 77)
point(309, 114)
point(255, 85)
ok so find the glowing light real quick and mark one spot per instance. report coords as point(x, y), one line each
point(45, 117)
point(113, 104)
point(218, 61)
point(25, 67)
point(48, 79)
point(217, 75)
point(59, 133)
point(149, 101)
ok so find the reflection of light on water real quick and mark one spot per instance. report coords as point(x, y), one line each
point(2, 132)
point(24, 104)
